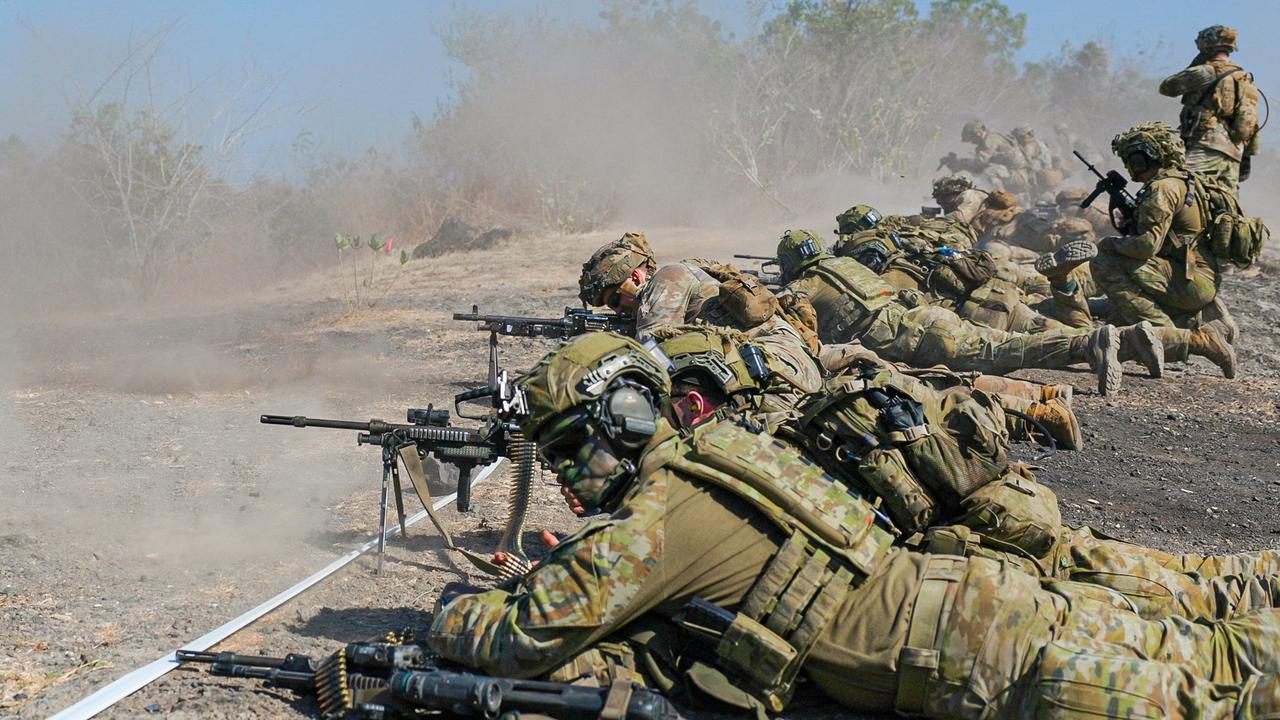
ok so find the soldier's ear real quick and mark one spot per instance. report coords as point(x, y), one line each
point(638, 276)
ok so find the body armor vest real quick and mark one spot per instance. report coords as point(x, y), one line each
point(857, 294)
point(833, 544)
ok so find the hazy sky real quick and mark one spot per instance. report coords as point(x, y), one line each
point(360, 69)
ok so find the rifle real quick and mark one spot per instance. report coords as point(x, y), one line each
point(428, 432)
point(768, 279)
point(576, 321)
point(384, 680)
point(1121, 202)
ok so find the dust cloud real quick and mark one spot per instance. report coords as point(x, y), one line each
point(134, 366)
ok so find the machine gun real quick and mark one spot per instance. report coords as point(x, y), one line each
point(930, 211)
point(385, 680)
point(428, 432)
point(1123, 207)
point(576, 321)
point(768, 279)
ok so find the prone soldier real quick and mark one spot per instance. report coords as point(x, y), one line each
point(799, 574)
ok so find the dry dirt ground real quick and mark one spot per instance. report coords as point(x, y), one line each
point(144, 504)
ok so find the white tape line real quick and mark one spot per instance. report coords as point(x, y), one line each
point(118, 690)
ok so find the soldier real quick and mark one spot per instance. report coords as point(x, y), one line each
point(623, 275)
point(1043, 170)
point(844, 301)
point(936, 258)
point(1219, 118)
point(928, 447)
point(1068, 201)
point(747, 542)
point(996, 156)
point(1163, 270)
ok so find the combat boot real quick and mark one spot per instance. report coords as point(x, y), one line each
point(1061, 422)
point(1101, 349)
point(1139, 342)
point(1216, 314)
point(1057, 265)
point(1060, 392)
point(1207, 342)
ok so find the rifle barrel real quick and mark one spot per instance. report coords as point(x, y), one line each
point(303, 421)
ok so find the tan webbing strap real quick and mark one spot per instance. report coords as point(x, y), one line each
point(615, 703)
point(412, 464)
point(918, 659)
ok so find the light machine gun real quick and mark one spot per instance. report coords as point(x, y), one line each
point(1123, 207)
point(576, 321)
point(377, 681)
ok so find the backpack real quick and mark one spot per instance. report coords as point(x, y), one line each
point(919, 451)
point(1231, 235)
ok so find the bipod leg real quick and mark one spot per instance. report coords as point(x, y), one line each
point(382, 512)
point(395, 482)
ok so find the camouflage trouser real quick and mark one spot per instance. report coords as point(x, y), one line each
point(999, 304)
point(1017, 519)
point(987, 640)
point(1015, 265)
point(1157, 289)
point(928, 335)
point(1216, 165)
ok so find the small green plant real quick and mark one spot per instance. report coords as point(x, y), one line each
point(372, 277)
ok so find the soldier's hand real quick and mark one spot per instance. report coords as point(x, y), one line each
point(549, 539)
point(575, 505)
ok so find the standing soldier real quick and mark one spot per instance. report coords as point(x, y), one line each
point(1219, 118)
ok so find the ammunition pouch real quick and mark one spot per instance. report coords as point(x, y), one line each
point(781, 619)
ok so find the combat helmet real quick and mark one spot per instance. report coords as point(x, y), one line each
point(951, 185)
point(610, 266)
point(1148, 145)
point(599, 382)
point(969, 133)
point(725, 359)
point(797, 250)
point(1216, 38)
point(857, 219)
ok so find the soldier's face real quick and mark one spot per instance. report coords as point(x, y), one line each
point(622, 299)
point(585, 462)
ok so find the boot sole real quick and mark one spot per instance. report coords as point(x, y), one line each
point(1110, 371)
point(1151, 350)
point(1067, 257)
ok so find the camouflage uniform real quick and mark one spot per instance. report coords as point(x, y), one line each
point(1162, 271)
point(1219, 119)
point(993, 218)
point(845, 301)
point(996, 157)
point(734, 518)
point(936, 259)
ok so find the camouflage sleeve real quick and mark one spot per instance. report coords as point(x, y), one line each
point(1156, 207)
point(1190, 80)
point(665, 299)
point(970, 203)
point(591, 584)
